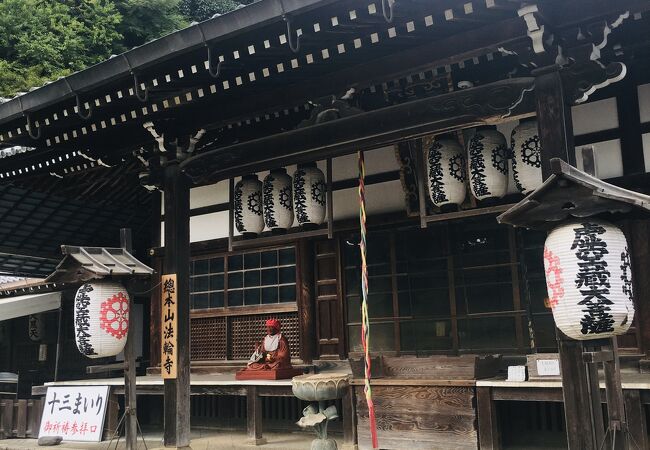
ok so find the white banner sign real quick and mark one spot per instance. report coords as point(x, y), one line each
point(548, 367)
point(76, 413)
point(516, 373)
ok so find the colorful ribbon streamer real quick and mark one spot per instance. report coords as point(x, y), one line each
point(365, 322)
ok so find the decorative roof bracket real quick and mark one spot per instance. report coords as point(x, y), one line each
point(160, 139)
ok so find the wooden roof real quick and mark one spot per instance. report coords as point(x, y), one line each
point(87, 263)
point(571, 193)
point(263, 85)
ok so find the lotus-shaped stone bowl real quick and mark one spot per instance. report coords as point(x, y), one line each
point(320, 387)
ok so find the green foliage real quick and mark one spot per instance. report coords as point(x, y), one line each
point(200, 10)
point(145, 20)
point(42, 40)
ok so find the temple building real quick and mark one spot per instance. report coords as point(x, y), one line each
point(327, 187)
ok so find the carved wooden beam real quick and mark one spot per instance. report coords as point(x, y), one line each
point(489, 103)
point(574, 50)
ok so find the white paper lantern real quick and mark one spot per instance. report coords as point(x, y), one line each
point(446, 166)
point(101, 318)
point(527, 158)
point(278, 200)
point(589, 279)
point(248, 206)
point(35, 327)
point(488, 163)
point(309, 195)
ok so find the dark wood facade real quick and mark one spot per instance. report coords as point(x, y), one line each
point(443, 285)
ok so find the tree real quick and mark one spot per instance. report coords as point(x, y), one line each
point(44, 39)
point(145, 20)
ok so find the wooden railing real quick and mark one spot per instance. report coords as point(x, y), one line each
point(20, 418)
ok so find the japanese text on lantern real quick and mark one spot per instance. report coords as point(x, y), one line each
point(169, 321)
point(593, 279)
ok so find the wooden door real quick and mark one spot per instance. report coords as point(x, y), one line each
point(330, 338)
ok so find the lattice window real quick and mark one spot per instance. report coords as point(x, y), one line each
point(253, 278)
point(208, 338)
point(245, 331)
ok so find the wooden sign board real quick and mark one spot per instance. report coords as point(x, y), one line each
point(169, 327)
point(76, 413)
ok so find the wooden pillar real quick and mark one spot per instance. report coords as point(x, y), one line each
point(254, 416)
point(553, 119)
point(629, 121)
point(177, 261)
point(582, 411)
point(640, 254)
point(6, 418)
point(59, 342)
point(614, 393)
point(154, 304)
point(488, 426)
point(349, 420)
point(130, 397)
point(307, 325)
point(636, 419)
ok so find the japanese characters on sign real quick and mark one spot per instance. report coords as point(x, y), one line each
point(35, 327)
point(169, 321)
point(76, 413)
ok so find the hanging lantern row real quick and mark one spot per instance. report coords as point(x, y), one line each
point(101, 318)
point(484, 165)
point(589, 279)
point(272, 203)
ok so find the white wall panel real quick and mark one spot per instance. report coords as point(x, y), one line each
point(609, 161)
point(380, 198)
point(646, 151)
point(644, 102)
point(211, 194)
point(209, 226)
point(377, 161)
point(594, 116)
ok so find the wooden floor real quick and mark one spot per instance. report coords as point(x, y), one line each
point(201, 440)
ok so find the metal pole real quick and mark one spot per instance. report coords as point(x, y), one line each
point(130, 398)
point(59, 337)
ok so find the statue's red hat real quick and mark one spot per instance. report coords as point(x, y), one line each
point(273, 323)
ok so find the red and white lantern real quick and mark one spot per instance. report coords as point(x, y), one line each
point(101, 318)
point(589, 279)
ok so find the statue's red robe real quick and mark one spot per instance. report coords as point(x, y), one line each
point(272, 353)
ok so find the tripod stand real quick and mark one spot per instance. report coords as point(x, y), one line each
point(117, 434)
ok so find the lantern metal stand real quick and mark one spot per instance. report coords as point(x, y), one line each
point(130, 397)
point(569, 193)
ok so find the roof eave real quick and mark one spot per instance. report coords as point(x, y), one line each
point(238, 21)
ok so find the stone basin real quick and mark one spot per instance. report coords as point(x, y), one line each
point(320, 387)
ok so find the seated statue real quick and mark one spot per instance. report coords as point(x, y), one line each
point(271, 359)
